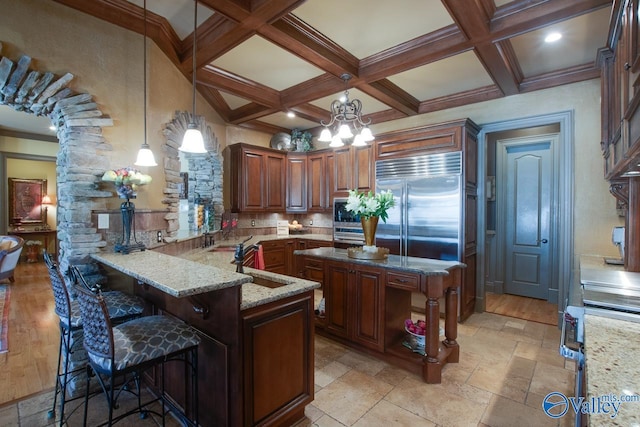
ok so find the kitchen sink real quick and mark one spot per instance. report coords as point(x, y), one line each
point(267, 283)
point(223, 249)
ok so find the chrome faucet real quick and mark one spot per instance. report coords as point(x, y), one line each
point(241, 252)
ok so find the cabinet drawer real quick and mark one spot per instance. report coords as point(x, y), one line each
point(272, 258)
point(402, 280)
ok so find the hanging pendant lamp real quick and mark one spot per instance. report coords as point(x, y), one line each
point(193, 142)
point(145, 155)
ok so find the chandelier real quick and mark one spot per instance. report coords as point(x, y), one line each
point(346, 117)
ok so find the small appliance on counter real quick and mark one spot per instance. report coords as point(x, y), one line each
point(617, 237)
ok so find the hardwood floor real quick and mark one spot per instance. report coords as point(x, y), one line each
point(29, 365)
point(524, 308)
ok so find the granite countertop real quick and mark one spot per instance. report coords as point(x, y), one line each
point(175, 276)
point(429, 267)
point(612, 349)
point(208, 269)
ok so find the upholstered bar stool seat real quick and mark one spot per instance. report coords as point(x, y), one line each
point(121, 307)
point(127, 349)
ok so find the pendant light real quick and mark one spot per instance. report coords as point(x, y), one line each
point(145, 155)
point(192, 142)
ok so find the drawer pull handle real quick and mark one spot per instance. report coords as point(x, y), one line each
point(201, 309)
point(403, 281)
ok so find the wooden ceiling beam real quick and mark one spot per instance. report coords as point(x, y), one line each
point(250, 112)
point(392, 95)
point(245, 88)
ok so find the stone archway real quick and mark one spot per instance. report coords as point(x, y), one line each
point(80, 161)
point(205, 171)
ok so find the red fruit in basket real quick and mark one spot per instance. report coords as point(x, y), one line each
point(422, 324)
point(408, 323)
point(419, 331)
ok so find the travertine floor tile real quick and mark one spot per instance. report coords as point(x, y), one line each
point(434, 403)
point(329, 373)
point(509, 379)
point(349, 397)
point(362, 363)
point(385, 414)
point(548, 378)
point(503, 412)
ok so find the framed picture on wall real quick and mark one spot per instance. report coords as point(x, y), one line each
point(25, 201)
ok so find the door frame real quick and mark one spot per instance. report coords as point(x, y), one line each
point(502, 146)
point(564, 214)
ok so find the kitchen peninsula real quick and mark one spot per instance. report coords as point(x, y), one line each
point(255, 360)
point(367, 301)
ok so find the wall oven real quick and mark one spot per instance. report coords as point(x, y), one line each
point(347, 229)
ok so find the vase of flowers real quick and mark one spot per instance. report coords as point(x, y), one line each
point(370, 207)
point(126, 181)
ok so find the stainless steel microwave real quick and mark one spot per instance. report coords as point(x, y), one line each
point(346, 225)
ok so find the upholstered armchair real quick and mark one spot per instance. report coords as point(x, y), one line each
point(10, 249)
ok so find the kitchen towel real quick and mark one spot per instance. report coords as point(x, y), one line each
point(259, 260)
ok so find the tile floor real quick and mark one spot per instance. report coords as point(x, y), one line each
point(506, 368)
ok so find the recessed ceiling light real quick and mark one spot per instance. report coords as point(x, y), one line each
point(553, 37)
point(291, 114)
point(53, 128)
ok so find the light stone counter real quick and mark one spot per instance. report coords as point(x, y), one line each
point(612, 351)
point(208, 269)
point(175, 276)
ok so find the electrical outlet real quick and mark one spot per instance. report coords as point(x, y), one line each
point(159, 236)
point(253, 222)
point(310, 222)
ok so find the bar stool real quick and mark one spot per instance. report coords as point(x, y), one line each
point(127, 349)
point(121, 307)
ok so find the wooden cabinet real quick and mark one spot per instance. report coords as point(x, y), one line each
point(353, 168)
point(278, 361)
point(275, 256)
point(318, 198)
point(620, 75)
point(257, 179)
point(296, 183)
point(354, 306)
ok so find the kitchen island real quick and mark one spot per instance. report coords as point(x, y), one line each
point(255, 360)
point(367, 301)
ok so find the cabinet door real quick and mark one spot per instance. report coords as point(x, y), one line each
point(252, 191)
point(274, 179)
point(368, 327)
point(317, 194)
point(342, 173)
point(331, 178)
point(313, 269)
point(363, 168)
point(336, 295)
point(274, 256)
point(296, 183)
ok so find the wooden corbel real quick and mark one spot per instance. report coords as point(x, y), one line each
point(620, 190)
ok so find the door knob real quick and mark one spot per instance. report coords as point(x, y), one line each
point(543, 241)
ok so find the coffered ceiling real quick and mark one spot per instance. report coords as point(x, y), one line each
point(259, 59)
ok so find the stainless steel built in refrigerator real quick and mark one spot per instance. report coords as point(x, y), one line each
point(427, 218)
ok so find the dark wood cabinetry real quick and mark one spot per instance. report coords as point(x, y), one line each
point(318, 199)
point(276, 390)
point(620, 109)
point(257, 179)
point(296, 183)
point(352, 168)
point(354, 308)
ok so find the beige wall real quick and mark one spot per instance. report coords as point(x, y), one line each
point(594, 207)
point(35, 169)
point(107, 63)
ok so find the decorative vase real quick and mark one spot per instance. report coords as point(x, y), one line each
point(369, 226)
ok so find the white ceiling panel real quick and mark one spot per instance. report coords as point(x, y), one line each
point(179, 13)
point(452, 75)
point(364, 28)
point(581, 39)
point(267, 64)
point(234, 101)
point(282, 120)
point(369, 104)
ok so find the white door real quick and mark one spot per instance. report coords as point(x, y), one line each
point(525, 208)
